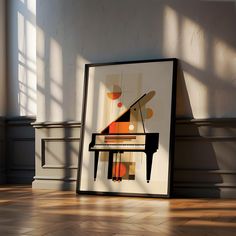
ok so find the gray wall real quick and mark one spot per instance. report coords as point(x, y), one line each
point(71, 33)
point(2, 57)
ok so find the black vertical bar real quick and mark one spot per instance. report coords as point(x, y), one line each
point(110, 164)
point(119, 177)
point(149, 157)
point(96, 164)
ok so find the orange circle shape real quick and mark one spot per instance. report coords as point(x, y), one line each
point(119, 170)
point(114, 92)
point(148, 113)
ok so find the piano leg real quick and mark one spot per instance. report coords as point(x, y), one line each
point(96, 164)
point(149, 156)
point(110, 165)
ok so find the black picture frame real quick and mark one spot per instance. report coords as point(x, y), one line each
point(93, 74)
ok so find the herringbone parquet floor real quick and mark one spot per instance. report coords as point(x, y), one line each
point(24, 211)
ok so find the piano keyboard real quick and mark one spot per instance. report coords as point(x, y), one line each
point(118, 147)
point(128, 139)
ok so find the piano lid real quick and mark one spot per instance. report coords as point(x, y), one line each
point(125, 116)
point(143, 99)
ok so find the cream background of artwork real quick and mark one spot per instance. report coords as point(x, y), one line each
point(155, 76)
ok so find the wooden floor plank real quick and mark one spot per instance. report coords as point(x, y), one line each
point(25, 212)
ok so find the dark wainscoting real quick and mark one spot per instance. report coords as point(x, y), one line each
point(204, 163)
point(20, 150)
point(205, 158)
point(2, 151)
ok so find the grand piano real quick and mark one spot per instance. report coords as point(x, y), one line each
point(121, 136)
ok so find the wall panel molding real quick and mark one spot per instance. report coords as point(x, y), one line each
point(54, 178)
point(204, 165)
point(20, 150)
point(59, 141)
point(20, 120)
point(205, 162)
point(2, 151)
point(57, 149)
point(64, 124)
point(16, 146)
point(205, 138)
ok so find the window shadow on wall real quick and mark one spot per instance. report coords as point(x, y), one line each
point(21, 58)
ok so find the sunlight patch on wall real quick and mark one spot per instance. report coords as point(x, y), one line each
point(56, 80)
point(31, 5)
point(193, 43)
point(170, 32)
point(224, 61)
point(199, 96)
point(31, 49)
point(21, 32)
point(26, 66)
point(41, 96)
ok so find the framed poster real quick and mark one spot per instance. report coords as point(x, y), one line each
point(127, 132)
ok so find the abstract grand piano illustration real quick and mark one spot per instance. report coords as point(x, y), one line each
point(122, 135)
